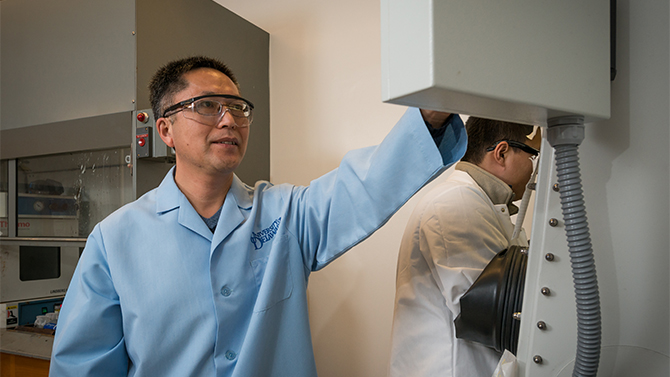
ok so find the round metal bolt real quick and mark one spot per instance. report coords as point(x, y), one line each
point(541, 325)
point(537, 359)
point(549, 257)
point(556, 187)
point(553, 222)
point(545, 291)
point(523, 250)
point(517, 316)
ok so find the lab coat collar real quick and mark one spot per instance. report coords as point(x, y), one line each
point(167, 194)
point(242, 193)
point(238, 200)
point(497, 190)
point(239, 197)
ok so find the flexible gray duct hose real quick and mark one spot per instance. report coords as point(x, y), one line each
point(565, 134)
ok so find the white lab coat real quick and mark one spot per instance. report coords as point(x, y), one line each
point(452, 235)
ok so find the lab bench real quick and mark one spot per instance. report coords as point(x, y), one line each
point(24, 354)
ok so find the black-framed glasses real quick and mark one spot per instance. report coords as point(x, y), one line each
point(515, 144)
point(210, 108)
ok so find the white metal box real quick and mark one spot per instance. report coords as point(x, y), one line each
point(520, 60)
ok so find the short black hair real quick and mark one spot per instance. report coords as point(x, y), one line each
point(483, 133)
point(169, 80)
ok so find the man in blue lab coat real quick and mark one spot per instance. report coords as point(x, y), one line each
point(206, 276)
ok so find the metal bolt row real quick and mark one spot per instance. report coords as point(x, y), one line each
point(549, 257)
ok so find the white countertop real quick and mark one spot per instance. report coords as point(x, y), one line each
point(27, 344)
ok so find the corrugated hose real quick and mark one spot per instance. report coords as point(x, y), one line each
point(565, 134)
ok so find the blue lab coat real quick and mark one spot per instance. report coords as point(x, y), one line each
point(156, 293)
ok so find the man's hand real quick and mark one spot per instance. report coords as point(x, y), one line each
point(436, 119)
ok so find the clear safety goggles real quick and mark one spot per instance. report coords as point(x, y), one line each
point(210, 108)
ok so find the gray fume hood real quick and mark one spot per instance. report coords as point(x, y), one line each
point(75, 73)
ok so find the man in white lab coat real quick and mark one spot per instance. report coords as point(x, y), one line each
point(207, 276)
point(453, 233)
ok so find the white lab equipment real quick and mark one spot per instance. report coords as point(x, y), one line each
point(550, 64)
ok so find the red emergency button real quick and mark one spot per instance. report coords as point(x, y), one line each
point(141, 142)
point(142, 117)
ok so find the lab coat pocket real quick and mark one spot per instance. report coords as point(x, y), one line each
point(273, 277)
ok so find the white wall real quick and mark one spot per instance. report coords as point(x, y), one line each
point(325, 95)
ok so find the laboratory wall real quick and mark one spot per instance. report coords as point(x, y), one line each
point(325, 95)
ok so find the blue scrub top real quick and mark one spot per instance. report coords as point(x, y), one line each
point(156, 293)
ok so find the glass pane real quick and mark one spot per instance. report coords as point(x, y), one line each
point(65, 195)
point(4, 188)
point(39, 262)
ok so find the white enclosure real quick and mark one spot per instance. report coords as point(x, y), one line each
point(529, 61)
point(522, 60)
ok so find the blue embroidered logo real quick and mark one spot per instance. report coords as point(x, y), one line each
point(265, 235)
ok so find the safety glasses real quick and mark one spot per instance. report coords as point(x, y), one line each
point(210, 108)
point(515, 144)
